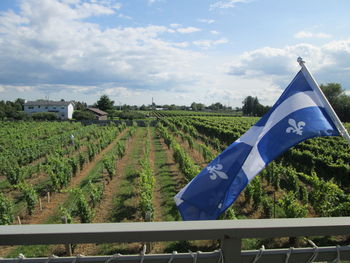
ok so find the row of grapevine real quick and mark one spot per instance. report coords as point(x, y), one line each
point(326, 165)
point(329, 156)
point(298, 198)
point(183, 113)
point(189, 134)
point(58, 169)
point(14, 172)
point(25, 142)
point(187, 166)
point(147, 182)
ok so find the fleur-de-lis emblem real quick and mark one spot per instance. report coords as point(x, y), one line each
point(295, 127)
point(215, 171)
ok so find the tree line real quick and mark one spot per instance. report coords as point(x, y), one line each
point(334, 92)
point(13, 110)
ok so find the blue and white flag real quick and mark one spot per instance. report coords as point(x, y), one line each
point(299, 114)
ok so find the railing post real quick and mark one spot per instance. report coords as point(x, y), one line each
point(231, 248)
point(68, 246)
point(148, 218)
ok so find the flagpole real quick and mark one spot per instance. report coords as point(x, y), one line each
point(342, 130)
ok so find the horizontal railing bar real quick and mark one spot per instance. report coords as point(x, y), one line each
point(170, 231)
point(205, 257)
point(268, 256)
point(297, 254)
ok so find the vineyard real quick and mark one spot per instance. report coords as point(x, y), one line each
point(65, 172)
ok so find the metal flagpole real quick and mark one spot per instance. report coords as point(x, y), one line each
point(328, 107)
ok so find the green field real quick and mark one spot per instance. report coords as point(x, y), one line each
point(120, 174)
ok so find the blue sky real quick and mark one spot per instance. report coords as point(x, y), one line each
point(176, 51)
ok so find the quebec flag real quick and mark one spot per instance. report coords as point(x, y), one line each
point(299, 114)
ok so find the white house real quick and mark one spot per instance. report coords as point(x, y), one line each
point(63, 109)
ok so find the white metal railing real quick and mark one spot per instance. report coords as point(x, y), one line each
point(230, 232)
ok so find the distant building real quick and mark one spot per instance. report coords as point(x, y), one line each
point(100, 114)
point(63, 109)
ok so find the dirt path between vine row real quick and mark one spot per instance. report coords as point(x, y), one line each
point(104, 208)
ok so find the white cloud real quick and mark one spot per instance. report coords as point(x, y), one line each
point(227, 4)
point(42, 12)
point(51, 44)
point(274, 61)
point(308, 34)
point(7, 88)
point(328, 63)
point(49, 47)
point(188, 30)
point(24, 88)
point(151, 2)
point(78, 89)
point(89, 9)
point(119, 92)
point(214, 32)
point(207, 21)
point(209, 43)
point(181, 44)
point(174, 25)
point(124, 16)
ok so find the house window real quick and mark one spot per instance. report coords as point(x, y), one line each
point(54, 108)
point(38, 106)
point(30, 107)
point(62, 108)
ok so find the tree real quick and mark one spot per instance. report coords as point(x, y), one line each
point(2, 114)
point(197, 106)
point(338, 99)
point(248, 105)
point(332, 91)
point(252, 107)
point(19, 104)
point(216, 106)
point(194, 106)
point(80, 105)
point(104, 103)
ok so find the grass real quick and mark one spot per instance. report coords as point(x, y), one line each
point(126, 202)
point(30, 251)
point(165, 178)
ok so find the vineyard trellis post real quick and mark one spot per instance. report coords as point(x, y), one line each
point(274, 204)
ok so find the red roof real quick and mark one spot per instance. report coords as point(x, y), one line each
point(98, 111)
